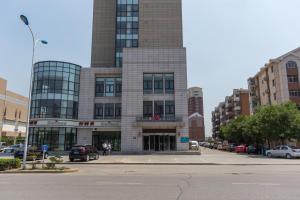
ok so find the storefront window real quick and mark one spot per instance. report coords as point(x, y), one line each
point(57, 139)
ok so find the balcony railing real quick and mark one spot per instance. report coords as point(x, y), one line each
point(158, 118)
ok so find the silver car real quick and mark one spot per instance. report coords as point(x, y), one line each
point(284, 151)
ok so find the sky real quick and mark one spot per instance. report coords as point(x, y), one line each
point(227, 41)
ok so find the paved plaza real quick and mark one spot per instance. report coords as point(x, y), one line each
point(208, 156)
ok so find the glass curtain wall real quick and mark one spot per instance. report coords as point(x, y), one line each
point(55, 91)
point(127, 27)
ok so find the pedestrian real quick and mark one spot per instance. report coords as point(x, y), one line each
point(109, 148)
point(104, 148)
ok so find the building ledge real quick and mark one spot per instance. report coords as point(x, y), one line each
point(159, 122)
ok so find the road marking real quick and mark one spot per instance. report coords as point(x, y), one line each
point(118, 183)
point(260, 184)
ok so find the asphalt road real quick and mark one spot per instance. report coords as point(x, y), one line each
point(157, 182)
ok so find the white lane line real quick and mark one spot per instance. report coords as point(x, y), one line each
point(260, 184)
point(117, 183)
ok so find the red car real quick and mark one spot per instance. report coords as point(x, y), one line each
point(241, 149)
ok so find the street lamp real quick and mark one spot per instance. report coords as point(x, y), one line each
point(34, 43)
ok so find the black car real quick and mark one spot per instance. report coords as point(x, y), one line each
point(83, 153)
point(33, 153)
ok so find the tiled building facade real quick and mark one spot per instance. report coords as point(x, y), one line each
point(134, 94)
point(235, 105)
point(13, 112)
point(277, 82)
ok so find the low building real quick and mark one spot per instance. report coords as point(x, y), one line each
point(277, 82)
point(196, 114)
point(235, 105)
point(13, 112)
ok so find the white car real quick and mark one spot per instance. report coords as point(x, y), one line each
point(284, 151)
point(194, 145)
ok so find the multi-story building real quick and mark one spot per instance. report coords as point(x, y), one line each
point(277, 82)
point(235, 105)
point(133, 95)
point(13, 112)
point(196, 114)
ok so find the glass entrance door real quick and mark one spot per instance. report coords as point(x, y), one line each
point(159, 143)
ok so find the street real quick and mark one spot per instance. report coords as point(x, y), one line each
point(157, 182)
point(96, 181)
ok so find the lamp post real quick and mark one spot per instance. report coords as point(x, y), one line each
point(34, 43)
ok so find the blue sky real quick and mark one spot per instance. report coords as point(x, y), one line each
point(227, 40)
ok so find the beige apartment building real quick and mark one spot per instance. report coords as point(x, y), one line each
point(134, 95)
point(277, 82)
point(13, 112)
point(235, 105)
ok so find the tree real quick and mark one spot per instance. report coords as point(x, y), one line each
point(238, 131)
point(278, 122)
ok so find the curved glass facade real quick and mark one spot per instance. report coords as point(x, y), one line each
point(55, 91)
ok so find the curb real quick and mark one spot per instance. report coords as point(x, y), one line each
point(192, 164)
point(40, 171)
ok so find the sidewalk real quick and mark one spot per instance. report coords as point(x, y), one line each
point(208, 157)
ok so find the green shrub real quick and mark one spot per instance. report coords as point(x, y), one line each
point(7, 163)
point(53, 161)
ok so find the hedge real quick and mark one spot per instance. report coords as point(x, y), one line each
point(8, 163)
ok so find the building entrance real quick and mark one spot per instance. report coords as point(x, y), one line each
point(114, 138)
point(159, 142)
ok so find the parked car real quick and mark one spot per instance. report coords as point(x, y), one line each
point(216, 144)
point(284, 151)
point(2, 146)
point(33, 153)
point(83, 153)
point(194, 145)
point(9, 151)
point(241, 149)
point(231, 147)
point(251, 149)
point(225, 146)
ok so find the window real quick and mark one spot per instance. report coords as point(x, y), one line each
point(284, 148)
point(294, 93)
point(274, 95)
point(170, 108)
point(109, 111)
point(148, 83)
point(291, 65)
point(55, 83)
point(159, 108)
point(108, 87)
point(147, 109)
point(127, 28)
point(118, 87)
point(99, 111)
point(169, 83)
point(100, 87)
point(158, 83)
point(273, 83)
point(118, 110)
point(293, 78)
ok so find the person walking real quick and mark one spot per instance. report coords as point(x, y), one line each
point(104, 149)
point(109, 148)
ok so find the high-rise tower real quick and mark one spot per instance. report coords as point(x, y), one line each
point(135, 90)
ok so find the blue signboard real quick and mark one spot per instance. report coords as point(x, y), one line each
point(45, 148)
point(184, 140)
